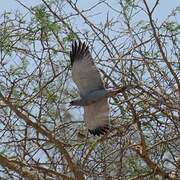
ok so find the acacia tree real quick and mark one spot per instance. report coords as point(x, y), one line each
point(42, 137)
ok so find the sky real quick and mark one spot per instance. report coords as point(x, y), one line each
point(161, 12)
point(12, 5)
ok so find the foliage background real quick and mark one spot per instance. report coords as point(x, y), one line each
point(42, 137)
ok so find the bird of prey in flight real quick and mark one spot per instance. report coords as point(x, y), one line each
point(93, 94)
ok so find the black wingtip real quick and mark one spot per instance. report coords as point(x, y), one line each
point(78, 50)
point(99, 130)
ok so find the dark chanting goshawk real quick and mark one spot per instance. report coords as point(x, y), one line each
point(93, 94)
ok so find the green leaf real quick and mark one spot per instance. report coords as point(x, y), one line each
point(40, 14)
point(71, 36)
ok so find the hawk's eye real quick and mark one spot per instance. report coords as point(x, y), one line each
point(72, 103)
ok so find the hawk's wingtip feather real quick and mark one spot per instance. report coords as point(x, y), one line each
point(78, 49)
point(99, 130)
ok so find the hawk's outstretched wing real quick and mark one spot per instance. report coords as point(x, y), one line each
point(88, 79)
point(96, 117)
point(84, 72)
